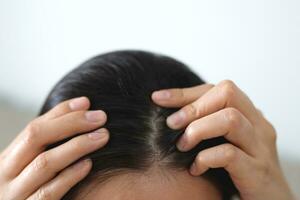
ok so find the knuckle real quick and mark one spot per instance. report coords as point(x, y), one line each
point(264, 170)
point(270, 130)
point(41, 162)
point(273, 136)
point(260, 112)
point(43, 194)
point(233, 117)
point(227, 83)
point(190, 129)
point(229, 152)
point(32, 131)
point(191, 110)
point(188, 136)
point(228, 88)
point(199, 160)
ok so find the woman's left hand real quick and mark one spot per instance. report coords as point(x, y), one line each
point(250, 158)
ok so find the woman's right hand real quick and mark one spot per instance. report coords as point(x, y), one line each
point(29, 171)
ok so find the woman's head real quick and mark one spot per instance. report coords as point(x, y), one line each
point(141, 158)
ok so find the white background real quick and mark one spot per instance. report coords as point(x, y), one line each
point(255, 43)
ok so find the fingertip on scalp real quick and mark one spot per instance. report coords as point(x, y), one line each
point(83, 164)
point(101, 133)
point(82, 168)
point(193, 169)
point(177, 119)
point(79, 103)
point(161, 95)
point(96, 116)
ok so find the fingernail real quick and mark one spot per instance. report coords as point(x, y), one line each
point(78, 103)
point(193, 169)
point(98, 134)
point(95, 116)
point(82, 164)
point(175, 120)
point(182, 143)
point(162, 95)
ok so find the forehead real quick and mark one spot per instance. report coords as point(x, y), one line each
point(179, 185)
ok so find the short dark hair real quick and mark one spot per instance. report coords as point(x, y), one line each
point(121, 83)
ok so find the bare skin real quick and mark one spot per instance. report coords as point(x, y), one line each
point(224, 110)
point(155, 184)
point(30, 172)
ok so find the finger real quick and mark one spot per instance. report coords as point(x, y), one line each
point(225, 94)
point(63, 182)
point(229, 123)
point(227, 156)
point(75, 104)
point(66, 126)
point(177, 97)
point(44, 167)
point(38, 134)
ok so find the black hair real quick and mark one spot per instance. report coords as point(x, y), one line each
point(121, 84)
